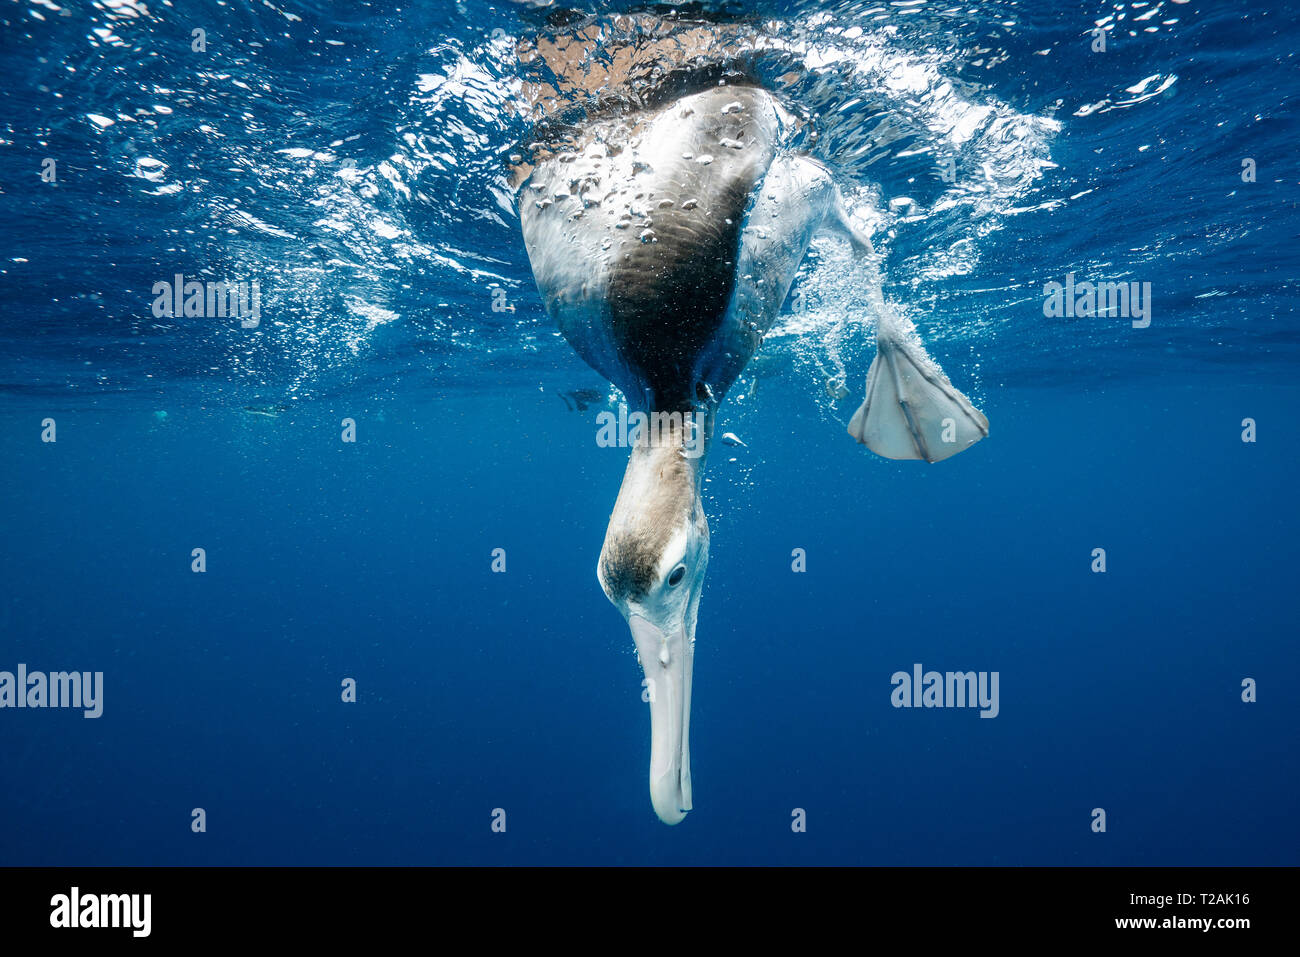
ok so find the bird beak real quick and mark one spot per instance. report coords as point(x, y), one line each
point(668, 658)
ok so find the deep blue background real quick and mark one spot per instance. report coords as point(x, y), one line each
point(521, 691)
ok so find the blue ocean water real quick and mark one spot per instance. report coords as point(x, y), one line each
point(352, 159)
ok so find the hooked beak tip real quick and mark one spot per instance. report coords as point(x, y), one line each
point(667, 798)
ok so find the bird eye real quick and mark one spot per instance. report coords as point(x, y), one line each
point(676, 577)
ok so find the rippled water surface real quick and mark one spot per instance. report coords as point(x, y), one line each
point(353, 159)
